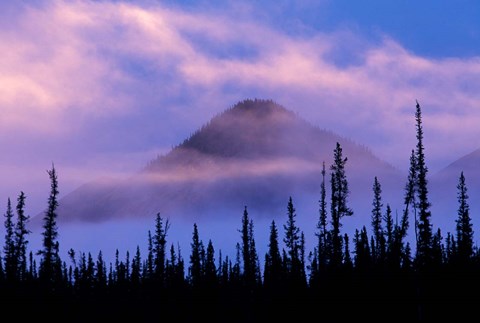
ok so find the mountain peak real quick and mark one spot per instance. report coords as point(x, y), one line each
point(260, 108)
point(251, 128)
point(255, 153)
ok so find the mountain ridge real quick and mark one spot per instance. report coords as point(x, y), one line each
point(255, 153)
point(444, 189)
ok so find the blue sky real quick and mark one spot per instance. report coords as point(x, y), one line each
point(432, 28)
point(102, 87)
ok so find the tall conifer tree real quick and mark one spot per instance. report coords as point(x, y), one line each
point(21, 241)
point(9, 257)
point(273, 260)
point(249, 259)
point(424, 242)
point(293, 243)
point(50, 261)
point(196, 265)
point(464, 226)
point(322, 247)
point(377, 219)
point(339, 203)
point(159, 248)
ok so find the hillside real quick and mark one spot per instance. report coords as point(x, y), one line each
point(256, 153)
point(444, 190)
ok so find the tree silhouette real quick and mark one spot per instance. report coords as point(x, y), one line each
point(322, 235)
point(175, 268)
point(101, 272)
point(424, 242)
point(150, 258)
point(389, 228)
point(159, 248)
point(249, 252)
point(339, 203)
point(210, 268)
point(293, 243)
point(196, 264)
point(223, 270)
point(50, 261)
point(136, 274)
point(377, 228)
point(9, 257)
point(21, 241)
point(273, 271)
point(362, 250)
point(464, 225)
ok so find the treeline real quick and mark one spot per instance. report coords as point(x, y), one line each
point(375, 275)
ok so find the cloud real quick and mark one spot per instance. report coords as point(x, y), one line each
point(66, 63)
point(50, 68)
point(211, 170)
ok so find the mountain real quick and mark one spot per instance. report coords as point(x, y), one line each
point(255, 154)
point(443, 187)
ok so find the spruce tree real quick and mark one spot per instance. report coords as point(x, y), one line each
point(377, 219)
point(117, 265)
point(410, 187)
point(424, 242)
point(90, 272)
point(251, 269)
point(171, 266)
point(322, 247)
point(196, 265)
point(175, 270)
point(292, 237)
point(339, 203)
point(50, 261)
point(223, 265)
point(150, 258)
point(293, 244)
point(21, 241)
point(127, 266)
point(253, 255)
point(101, 272)
point(389, 228)
point(302, 258)
point(9, 258)
point(273, 260)
point(362, 250)
point(210, 267)
point(393, 240)
point(235, 271)
point(136, 268)
point(180, 268)
point(159, 248)
point(464, 224)
point(81, 273)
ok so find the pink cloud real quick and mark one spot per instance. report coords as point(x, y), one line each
point(51, 69)
point(68, 58)
point(213, 171)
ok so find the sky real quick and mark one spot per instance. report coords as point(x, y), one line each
point(99, 88)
